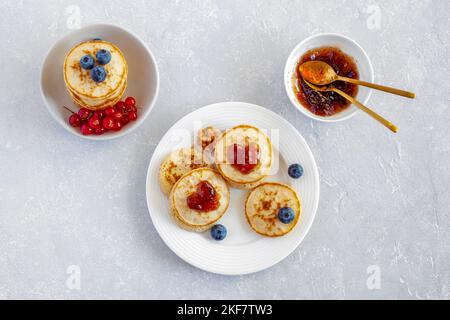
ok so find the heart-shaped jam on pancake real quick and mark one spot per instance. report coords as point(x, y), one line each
point(244, 158)
point(205, 199)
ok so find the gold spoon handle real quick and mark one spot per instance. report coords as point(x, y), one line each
point(399, 92)
point(371, 113)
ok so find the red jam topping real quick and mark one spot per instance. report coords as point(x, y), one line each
point(205, 199)
point(244, 158)
point(327, 103)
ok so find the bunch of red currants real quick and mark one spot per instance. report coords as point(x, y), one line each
point(109, 119)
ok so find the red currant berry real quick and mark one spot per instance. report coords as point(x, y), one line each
point(120, 106)
point(130, 102)
point(108, 123)
point(100, 114)
point(117, 126)
point(109, 111)
point(99, 131)
point(75, 120)
point(118, 115)
point(86, 130)
point(94, 122)
point(125, 120)
point(84, 113)
point(132, 116)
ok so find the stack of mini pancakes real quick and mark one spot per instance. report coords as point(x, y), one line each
point(84, 91)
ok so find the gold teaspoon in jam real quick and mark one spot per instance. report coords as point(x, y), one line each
point(371, 113)
point(321, 73)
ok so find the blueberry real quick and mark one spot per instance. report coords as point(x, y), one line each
point(103, 56)
point(219, 232)
point(98, 74)
point(295, 171)
point(286, 215)
point(97, 39)
point(87, 62)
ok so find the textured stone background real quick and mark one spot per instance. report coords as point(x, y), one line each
point(384, 198)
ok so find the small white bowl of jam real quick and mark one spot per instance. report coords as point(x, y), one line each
point(347, 58)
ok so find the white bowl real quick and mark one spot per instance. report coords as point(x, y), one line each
point(143, 77)
point(347, 45)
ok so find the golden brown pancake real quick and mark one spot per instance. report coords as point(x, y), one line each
point(177, 164)
point(262, 207)
point(242, 135)
point(194, 220)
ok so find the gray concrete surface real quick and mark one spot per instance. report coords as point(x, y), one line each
point(384, 208)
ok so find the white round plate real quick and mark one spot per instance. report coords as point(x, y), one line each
point(143, 77)
point(243, 251)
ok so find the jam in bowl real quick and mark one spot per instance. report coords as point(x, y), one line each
point(347, 58)
point(326, 104)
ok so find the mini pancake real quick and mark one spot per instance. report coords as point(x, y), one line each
point(193, 220)
point(206, 141)
point(262, 207)
point(85, 91)
point(177, 164)
point(207, 137)
point(242, 135)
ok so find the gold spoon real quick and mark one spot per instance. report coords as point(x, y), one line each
point(371, 113)
point(321, 73)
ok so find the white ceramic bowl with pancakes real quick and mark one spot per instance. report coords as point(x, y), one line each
point(142, 78)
